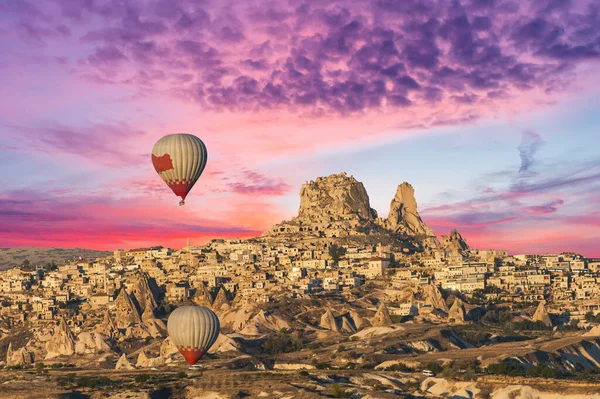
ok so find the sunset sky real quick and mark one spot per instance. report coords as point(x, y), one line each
point(489, 108)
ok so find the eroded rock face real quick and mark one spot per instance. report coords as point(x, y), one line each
point(328, 321)
point(403, 216)
point(91, 343)
point(108, 327)
point(127, 313)
point(435, 298)
point(382, 317)
point(62, 341)
point(144, 296)
point(123, 363)
point(202, 296)
point(221, 301)
point(334, 197)
point(541, 314)
point(454, 243)
point(19, 357)
point(457, 312)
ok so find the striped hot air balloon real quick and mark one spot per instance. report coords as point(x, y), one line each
point(179, 159)
point(193, 329)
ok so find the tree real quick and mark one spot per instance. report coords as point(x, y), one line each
point(336, 252)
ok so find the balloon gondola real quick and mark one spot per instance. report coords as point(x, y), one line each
point(179, 159)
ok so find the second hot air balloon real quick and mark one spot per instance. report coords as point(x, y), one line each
point(193, 329)
point(179, 159)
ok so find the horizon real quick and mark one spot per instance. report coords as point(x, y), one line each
point(486, 107)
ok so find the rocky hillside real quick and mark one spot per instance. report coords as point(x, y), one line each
point(338, 206)
point(11, 257)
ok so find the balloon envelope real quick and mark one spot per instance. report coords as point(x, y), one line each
point(193, 329)
point(179, 159)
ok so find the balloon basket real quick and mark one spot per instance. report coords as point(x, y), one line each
point(181, 203)
point(196, 367)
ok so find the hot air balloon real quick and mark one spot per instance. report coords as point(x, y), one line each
point(193, 329)
point(179, 159)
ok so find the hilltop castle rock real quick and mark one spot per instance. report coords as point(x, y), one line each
point(333, 198)
point(338, 205)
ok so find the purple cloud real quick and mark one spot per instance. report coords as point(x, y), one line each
point(253, 183)
point(328, 58)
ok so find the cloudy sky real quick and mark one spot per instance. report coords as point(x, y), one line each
point(489, 108)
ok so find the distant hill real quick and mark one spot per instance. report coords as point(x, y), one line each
point(11, 257)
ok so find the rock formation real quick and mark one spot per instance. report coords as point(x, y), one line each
point(382, 317)
point(541, 314)
point(19, 357)
point(108, 327)
point(358, 320)
point(123, 363)
point(127, 313)
point(457, 312)
point(403, 216)
point(222, 299)
point(338, 206)
point(91, 343)
point(334, 197)
point(62, 341)
point(168, 348)
point(330, 206)
point(435, 298)
point(342, 323)
point(144, 361)
point(202, 296)
point(328, 321)
point(146, 302)
point(454, 243)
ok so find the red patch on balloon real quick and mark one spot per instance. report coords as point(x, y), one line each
point(191, 355)
point(162, 163)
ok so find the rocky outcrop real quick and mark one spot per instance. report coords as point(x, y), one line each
point(328, 321)
point(144, 297)
point(62, 341)
point(335, 197)
point(127, 313)
point(541, 314)
point(108, 327)
point(343, 323)
point(403, 216)
point(221, 301)
point(93, 342)
point(123, 363)
point(144, 361)
point(382, 317)
point(358, 321)
point(168, 348)
point(19, 357)
point(454, 243)
point(202, 296)
point(435, 298)
point(331, 206)
point(457, 312)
